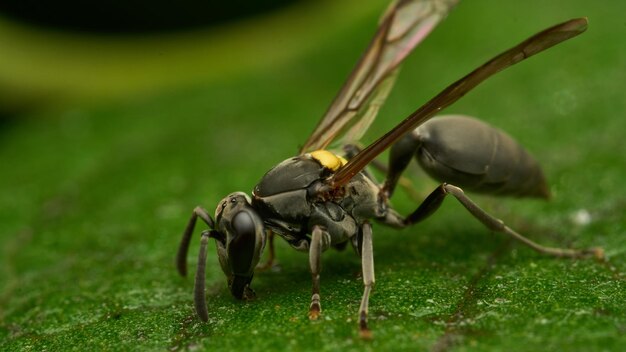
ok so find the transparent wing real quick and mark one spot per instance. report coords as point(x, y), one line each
point(531, 46)
point(404, 25)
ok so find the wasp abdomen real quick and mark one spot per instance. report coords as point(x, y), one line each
point(474, 155)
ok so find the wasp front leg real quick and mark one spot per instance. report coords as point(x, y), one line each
point(271, 259)
point(320, 241)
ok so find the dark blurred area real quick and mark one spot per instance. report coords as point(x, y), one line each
point(133, 16)
point(66, 51)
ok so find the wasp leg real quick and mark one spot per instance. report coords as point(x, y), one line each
point(199, 299)
point(367, 265)
point(320, 241)
point(400, 156)
point(499, 226)
point(183, 248)
point(404, 182)
point(434, 200)
point(269, 264)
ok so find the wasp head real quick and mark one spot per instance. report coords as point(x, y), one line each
point(240, 239)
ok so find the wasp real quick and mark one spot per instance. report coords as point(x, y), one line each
point(321, 199)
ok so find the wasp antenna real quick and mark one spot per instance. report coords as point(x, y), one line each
point(183, 247)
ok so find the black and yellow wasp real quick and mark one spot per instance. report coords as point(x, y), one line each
point(318, 199)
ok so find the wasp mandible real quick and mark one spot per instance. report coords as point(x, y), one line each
point(321, 199)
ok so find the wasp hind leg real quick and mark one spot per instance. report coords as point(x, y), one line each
point(400, 156)
point(434, 200)
point(351, 150)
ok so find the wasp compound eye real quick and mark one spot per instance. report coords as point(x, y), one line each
point(242, 245)
point(243, 224)
point(242, 251)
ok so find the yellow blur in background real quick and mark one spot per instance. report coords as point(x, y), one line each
point(43, 68)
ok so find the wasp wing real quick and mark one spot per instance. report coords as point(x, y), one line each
point(531, 46)
point(404, 25)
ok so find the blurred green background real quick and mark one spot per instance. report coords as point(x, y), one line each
point(109, 140)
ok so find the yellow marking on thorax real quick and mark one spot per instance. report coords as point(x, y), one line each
point(328, 159)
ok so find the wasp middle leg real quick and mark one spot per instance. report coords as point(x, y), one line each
point(320, 241)
point(367, 267)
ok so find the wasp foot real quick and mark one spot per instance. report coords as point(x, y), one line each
point(315, 310)
point(597, 253)
point(364, 332)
